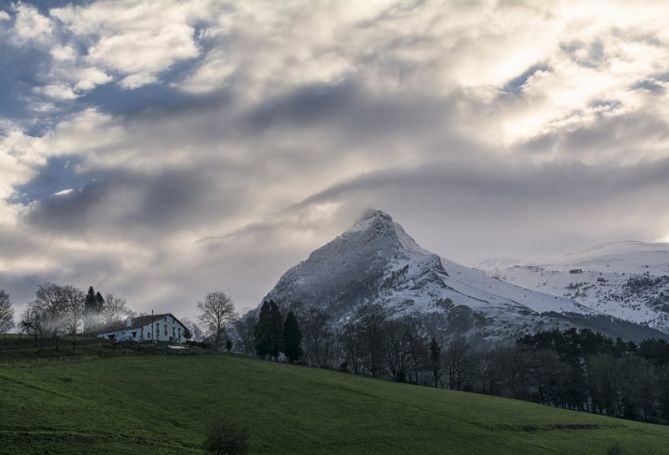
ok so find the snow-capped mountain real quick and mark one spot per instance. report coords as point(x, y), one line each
point(376, 261)
point(628, 280)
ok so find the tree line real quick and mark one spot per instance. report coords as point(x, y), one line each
point(573, 369)
point(59, 310)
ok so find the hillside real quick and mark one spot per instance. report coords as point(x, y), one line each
point(628, 280)
point(162, 404)
point(376, 261)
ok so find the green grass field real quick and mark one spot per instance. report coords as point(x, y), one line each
point(163, 404)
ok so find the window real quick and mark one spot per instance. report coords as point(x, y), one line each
point(165, 329)
point(134, 334)
point(174, 331)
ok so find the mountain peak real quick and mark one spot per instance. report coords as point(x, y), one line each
point(373, 218)
point(375, 213)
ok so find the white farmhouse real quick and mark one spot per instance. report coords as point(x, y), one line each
point(157, 327)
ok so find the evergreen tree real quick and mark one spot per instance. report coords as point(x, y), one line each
point(435, 357)
point(268, 337)
point(90, 309)
point(99, 302)
point(91, 302)
point(262, 333)
point(276, 330)
point(292, 338)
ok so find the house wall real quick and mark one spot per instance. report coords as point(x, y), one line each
point(169, 329)
point(164, 329)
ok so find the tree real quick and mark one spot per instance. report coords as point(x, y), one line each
point(244, 328)
point(317, 334)
point(435, 360)
point(262, 339)
point(187, 334)
point(31, 322)
point(292, 338)
point(215, 311)
point(73, 307)
point(369, 321)
point(91, 311)
point(99, 302)
point(114, 308)
point(194, 329)
point(457, 355)
point(6, 312)
point(48, 311)
point(268, 337)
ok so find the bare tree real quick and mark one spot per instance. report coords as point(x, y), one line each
point(195, 330)
point(115, 309)
point(316, 332)
point(6, 313)
point(31, 322)
point(457, 354)
point(49, 311)
point(244, 328)
point(215, 311)
point(73, 307)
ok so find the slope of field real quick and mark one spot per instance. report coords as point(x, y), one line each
point(163, 404)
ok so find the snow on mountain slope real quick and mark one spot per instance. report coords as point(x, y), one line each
point(376, 261)
point(628, 280)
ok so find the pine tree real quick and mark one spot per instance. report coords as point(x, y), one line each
point(276, 330)
point(435, 357)
point(262, 334)
point(99, 302)
point(292, 338)
point(90, 309)
point(268, 337)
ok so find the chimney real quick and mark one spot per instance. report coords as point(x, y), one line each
point(128, 322)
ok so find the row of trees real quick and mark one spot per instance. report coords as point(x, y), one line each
point(575, 369)
point(266, 334)
point(66, 310)
point(273, 335)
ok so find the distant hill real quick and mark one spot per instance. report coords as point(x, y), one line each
point(163, 404)
point(627, 280)
point(376, 261)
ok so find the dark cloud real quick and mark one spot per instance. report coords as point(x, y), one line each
point(132, 201)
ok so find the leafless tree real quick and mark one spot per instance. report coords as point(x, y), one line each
point(6, 312)
point(73, 307)
point(244, 328)
point(316, 333)
point(457, 357)
point(115, 309)
point(195, 330)
point(48, 312)
point(215, 311)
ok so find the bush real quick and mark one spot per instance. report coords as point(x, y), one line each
point(225, 438)
point(615, 450)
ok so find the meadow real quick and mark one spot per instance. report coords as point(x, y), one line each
point(139, 404)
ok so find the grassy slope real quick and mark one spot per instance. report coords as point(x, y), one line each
point(162, 404)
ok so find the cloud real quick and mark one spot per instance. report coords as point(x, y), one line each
point(164, 149)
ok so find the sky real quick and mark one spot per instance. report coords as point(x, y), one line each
point(164, 149)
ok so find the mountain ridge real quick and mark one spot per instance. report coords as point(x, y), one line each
point(377, 262)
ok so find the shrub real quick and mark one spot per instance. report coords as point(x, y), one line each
point(615, 450)
point(225, 438)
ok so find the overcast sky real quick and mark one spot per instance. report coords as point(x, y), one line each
point(162, 149)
